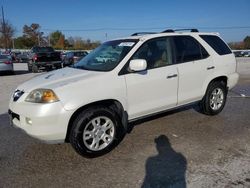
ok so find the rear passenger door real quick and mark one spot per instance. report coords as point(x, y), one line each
point(194, 66)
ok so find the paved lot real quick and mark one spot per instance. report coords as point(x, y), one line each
point(178, 149)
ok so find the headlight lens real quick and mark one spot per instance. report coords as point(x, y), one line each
point(42, 96)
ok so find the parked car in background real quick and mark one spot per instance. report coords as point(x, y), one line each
point(14, 56)
point(23, 58)
point(73, 57)
point(6, 64)
point(246, 54)
point(63, 54)
point(238, 53)
point(44, 58)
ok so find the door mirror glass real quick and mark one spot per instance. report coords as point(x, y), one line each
point(138, 65)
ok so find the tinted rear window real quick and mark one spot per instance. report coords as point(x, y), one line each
point(217, 44)
point(42, 49)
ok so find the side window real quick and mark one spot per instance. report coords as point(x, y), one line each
point(157, 52)
point(217, 44)
point(188, 49)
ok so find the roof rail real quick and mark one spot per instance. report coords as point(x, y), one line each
point(168, 31)
point(172, 31)
point(142, 33)
point(191, 30)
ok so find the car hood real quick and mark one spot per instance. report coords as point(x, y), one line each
point(58, 78)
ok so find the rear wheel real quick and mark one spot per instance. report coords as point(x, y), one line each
point(34, 68)
point(215, 98)
point(96, 131)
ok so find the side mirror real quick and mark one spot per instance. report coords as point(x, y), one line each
point(138, 65)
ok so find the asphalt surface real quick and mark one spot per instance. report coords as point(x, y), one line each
point(183, 148)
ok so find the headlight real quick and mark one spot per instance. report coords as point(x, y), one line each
point(42, 96)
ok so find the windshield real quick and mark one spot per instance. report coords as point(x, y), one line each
point(107, 56)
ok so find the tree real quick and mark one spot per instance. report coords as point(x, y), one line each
point(60, 43)
point(33, 33)
point(77, 43)
point(54, 37)
point(237, 45)
point(6, 34)
point(247, 42)
point(23, 43)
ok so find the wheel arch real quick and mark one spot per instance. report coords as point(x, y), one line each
point(223, 79)
point(112, 103)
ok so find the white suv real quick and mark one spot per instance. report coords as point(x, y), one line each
point(91, 103)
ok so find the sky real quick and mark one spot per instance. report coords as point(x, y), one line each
point(105, 20)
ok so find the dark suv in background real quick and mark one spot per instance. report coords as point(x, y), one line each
point(44, 58)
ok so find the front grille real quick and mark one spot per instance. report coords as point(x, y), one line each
point(17, 94)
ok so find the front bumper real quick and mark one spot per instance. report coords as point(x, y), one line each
point(46, 122)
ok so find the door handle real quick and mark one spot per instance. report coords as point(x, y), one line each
point(171, 76)
point(209, 68)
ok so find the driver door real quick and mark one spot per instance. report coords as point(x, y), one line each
point(154, 89)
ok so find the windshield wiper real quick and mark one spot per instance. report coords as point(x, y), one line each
point(80, 67)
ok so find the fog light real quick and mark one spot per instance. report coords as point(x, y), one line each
point(28, 121)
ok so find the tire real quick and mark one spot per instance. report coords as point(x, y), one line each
point(71, 61)
point(215, 98)
point(34, 68)
point(90, 137)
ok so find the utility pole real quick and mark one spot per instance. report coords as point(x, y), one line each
point(13, 43)
point(4, 30)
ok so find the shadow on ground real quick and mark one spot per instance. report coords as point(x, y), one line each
point(167, 168)
point(17, 72)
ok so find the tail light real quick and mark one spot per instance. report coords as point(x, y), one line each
point(35, 57)
point(8, 62)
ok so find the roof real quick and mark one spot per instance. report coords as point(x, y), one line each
point(148, 35)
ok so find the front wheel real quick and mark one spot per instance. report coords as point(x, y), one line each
point(215, 98)
point(96, 131)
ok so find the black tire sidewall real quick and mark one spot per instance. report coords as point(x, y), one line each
point(76, 136)
point(34, 68)
point(211, 88)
